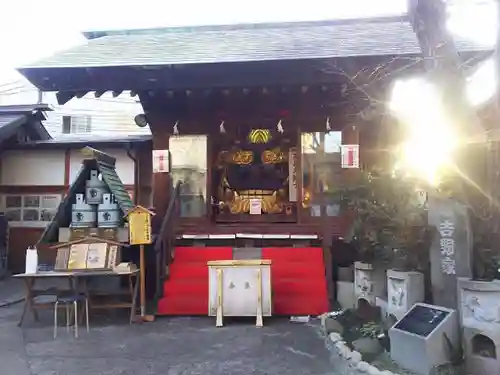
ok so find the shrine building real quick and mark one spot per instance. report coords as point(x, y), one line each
point(248, 123)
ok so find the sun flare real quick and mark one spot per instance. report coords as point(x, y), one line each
point(430, 142)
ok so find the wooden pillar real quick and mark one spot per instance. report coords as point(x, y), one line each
point(350, 135)
point(161, 181)
point(144, 183)
point(298, 173)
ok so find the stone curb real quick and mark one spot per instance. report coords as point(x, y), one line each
point(345, 360)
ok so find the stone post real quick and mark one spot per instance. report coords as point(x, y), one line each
point(451, 249)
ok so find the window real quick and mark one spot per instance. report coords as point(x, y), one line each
point(76, 124)
point(30, 210)
point(321, 168)
point(189, 164)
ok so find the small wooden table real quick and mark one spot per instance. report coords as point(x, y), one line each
point(74, 278)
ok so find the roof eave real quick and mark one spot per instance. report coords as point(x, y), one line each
point(54, 145)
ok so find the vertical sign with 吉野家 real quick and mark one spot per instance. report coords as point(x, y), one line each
point(161, 161)
point(450, 252)
point(447, 246)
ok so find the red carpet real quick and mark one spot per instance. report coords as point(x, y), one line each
point(298, 281)
point(186, 291)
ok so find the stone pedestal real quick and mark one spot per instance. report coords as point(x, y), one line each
point(404, 289)
point(345, 294)
point(369, 283)
point(346, 274)
point(480, 319)
point(419, 341)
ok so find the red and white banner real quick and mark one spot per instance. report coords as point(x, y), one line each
point(350, 156)
point(161, 161)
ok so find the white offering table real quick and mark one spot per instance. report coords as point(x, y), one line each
point(239, 288)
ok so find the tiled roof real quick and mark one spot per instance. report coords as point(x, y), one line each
point(25, 108)
point(116, 186)
point(8, 121)
point(244, 43)
point(12, 118)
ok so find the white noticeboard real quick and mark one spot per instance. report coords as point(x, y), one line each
point(255, 207)
point(161, 161)
point(350, 156)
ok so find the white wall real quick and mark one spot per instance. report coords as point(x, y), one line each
point(30, 167)
point(124, 165)
point(109, 115)
point(46, 167)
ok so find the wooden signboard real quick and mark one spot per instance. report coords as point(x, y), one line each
point(62, 259)
point(78, 256)
point(113, 259)
point(139, 225)
point(88, 253)
point(97, 253)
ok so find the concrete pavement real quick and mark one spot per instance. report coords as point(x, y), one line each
point(11, 291)
point(169, 346)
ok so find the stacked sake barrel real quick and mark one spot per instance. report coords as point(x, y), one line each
point(97, 207)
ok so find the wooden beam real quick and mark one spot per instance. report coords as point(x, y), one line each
point(92, 153)
point(64, 96)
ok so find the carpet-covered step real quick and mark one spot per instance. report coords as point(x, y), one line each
point(297, 280)
point(186, 290)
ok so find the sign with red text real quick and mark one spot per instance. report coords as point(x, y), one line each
point(161, 161)
point(350, 156)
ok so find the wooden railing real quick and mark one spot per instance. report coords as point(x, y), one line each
point(165, 239)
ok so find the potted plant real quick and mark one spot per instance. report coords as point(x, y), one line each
point(390, 221)
point(389, 230)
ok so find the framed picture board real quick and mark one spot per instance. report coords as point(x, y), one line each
point(88, 254)
point(97, 255)
point(62, 259)
point(78, 256)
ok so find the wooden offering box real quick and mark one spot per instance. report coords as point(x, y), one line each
point(240, 288)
